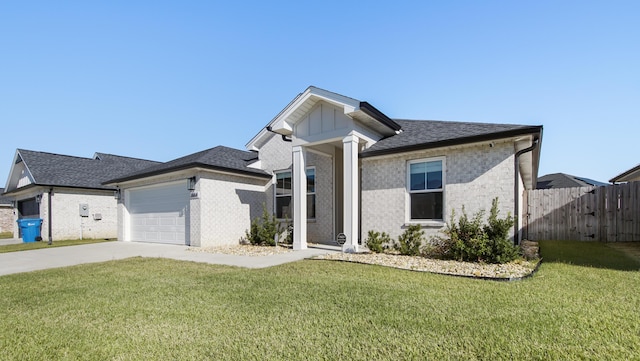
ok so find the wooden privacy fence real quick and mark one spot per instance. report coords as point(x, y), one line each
point(608, 213)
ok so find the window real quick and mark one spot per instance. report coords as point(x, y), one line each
point(284, 193)
point(311, 193)
point(426, 189)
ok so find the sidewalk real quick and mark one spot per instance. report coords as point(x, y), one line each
point(6, 241)
point(26, 261)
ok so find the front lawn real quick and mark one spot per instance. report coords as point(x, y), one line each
point(5, 235)
point(141, 309)
point(44, 244)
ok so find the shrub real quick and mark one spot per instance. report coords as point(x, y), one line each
point(470, 240)
point(377, 242)
point(502, 249)
point(437, 247)
point(410, 242)
point(263, 229)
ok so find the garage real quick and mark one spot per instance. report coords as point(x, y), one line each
point(158, 213)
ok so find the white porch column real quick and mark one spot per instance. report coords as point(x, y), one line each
point(299, 178)
point(351, 181)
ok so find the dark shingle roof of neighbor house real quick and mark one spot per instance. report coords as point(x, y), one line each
point(219, 158)
point(48, 169)
point(562, 180)
point(425, 134)
point(4, 200)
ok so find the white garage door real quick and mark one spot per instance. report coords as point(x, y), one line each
point(158, 214)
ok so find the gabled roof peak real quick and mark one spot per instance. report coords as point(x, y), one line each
point(283, 122)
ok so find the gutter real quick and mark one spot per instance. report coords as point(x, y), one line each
point(371, 111)
point(187, 167)
point(284, 137)
point(516, 197)
point(451, 142)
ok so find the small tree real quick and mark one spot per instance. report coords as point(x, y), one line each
point(377, 242)
point(410, 242)
point(263, 229)
point(497, 230)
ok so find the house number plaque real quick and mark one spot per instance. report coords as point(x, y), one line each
point(341, 239)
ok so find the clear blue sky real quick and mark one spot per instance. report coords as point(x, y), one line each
point(163, 79)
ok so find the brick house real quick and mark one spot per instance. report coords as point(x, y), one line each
point(6, 213)
point(67, 193)
point(630, 175)
point(333, 165)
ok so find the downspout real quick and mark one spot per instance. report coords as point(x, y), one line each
point(516, 196)
point(49, 215)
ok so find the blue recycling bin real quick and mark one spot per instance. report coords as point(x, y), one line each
point(30, 229)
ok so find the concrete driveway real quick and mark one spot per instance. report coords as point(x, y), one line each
point(39, 259)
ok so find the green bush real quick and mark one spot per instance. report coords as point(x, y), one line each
point(377, 242)
point(263, 229)
point(471, 240)
point(410, 242)
point(497, 229)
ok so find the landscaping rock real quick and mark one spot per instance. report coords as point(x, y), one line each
point(530, 250)
point(511, 270)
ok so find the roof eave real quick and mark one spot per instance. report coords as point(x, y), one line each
point(185, 167)
point(35, 185)
point(456, 141)
point(371, 111)
point(620, 177)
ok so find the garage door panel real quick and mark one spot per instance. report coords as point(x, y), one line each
point(158, 214)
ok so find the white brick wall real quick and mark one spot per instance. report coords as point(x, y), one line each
point(474, 176)
point(321, 230)
point(228, 204)
point(275, 155)
point(65, 212)
point(66, 220)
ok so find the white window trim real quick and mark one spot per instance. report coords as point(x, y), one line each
point(315, 186)
point(407, 205)
point(275, 190)
point(290, 171)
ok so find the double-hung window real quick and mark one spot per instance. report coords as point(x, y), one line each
point(425, 183)
point(284, 192)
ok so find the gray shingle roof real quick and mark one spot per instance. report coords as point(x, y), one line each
point(50, 169)
point(424, 134)
point(4, 200)
point(562, 180)
point(218, 158)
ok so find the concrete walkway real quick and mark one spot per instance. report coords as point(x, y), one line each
point(6, 241)
point(39, 259)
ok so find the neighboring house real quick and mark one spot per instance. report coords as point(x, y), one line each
point(6, 213)
point(562, 180)
point(630, 175)
point(332, 165)
point(67, 193)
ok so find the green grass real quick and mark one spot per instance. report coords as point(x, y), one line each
point(592, 254)
point(44, 244)
point(140, 309)
point(5, 235)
